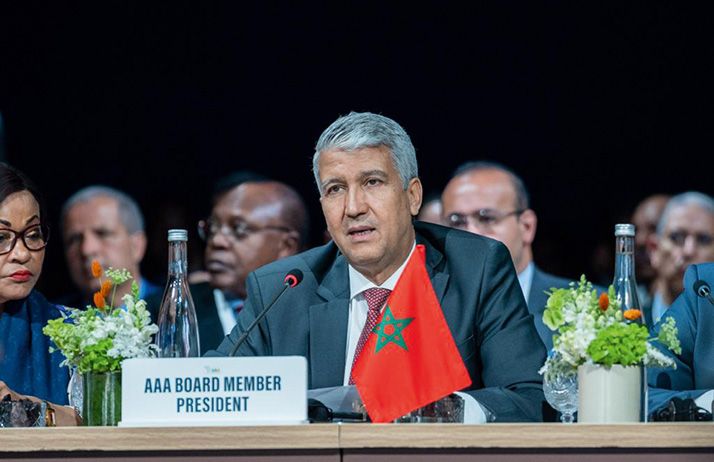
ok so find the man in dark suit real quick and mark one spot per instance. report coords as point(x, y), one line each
point(489, 199)
point(366, 171)
point(253, 221)
point(694, 374)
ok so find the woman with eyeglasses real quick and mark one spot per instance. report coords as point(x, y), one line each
point(27, 369)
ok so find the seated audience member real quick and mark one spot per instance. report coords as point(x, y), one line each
point(366, 172)
point(254, 221)
point(431, 210)
point(685, 236)
point(103, 224)
point(694, 375)
point(27, 369)
point(489, 199)
point(645, 218)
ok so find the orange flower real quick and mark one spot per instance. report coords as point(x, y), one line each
point(99, 300)
point(106, 288)
point(604, 301)
point(96, 269)
point(631, 315)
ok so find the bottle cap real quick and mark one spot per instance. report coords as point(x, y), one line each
point(178, 235)
point(625, 229)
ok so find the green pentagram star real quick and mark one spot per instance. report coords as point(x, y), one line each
point(390, 330)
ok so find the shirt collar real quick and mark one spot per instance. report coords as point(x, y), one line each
point(525, 279)
point(223, 303)
point(359, 283)
point(658, 307)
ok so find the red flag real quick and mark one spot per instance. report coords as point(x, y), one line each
point(410, 359)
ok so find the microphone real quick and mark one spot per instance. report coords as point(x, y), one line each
point(293, 278)
point(702, 289)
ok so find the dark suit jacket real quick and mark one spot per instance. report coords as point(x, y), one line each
point(210, 329)
point(476, 284)
point(537, 299)
point(695, 366)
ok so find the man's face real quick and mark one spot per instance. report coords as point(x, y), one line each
point(367, 211)
point(93, 230)
point(645, 219)
point(256, 209)
point(688, 238)
point(490, 192)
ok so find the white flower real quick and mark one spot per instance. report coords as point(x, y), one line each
point(656, 358)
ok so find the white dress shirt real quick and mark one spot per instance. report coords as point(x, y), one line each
point(226, 313)
point(473, 413)
point(359, 308)
point(525, 279)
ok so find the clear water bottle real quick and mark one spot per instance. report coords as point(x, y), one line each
point(178, 325)
point(626, 290)
point(624, 281)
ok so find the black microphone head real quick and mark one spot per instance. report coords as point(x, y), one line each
point(702, 289)
point(293, 278)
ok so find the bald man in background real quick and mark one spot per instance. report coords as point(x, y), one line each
point(254, 221)
point(489, 199)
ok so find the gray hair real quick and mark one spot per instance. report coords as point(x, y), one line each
point(687, 198)
point(359, 130)
point(129, 211)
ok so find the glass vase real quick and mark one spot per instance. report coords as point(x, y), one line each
point(101, 404)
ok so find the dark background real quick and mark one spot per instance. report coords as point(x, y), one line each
point(595, 104)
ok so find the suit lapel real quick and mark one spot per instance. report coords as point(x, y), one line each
point(439, 278)
point(329, 319)
point(328, 327)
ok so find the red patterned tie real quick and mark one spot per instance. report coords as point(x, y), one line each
point(375, 300)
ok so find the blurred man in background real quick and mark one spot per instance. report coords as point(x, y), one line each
point(253, 221)
point(430, 211)
point(685, 235)
point(489, 199)
point(103, 224)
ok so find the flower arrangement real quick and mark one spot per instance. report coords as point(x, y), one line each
point(594, 330)
point(99, 338)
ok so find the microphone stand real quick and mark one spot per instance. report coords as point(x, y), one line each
point(244, 336)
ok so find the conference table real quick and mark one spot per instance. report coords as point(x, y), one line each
point(652, 442)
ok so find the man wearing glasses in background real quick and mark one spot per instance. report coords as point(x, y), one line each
point(253, 221)
point(685, 236)
point(489, 199)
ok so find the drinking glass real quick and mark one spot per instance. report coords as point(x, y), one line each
point(561, 392)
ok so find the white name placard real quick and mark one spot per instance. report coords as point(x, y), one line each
point(214, 391)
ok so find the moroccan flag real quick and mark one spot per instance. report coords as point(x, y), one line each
point(410, 359)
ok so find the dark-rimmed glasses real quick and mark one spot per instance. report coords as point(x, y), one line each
point(481, 218)
point(238, 230)
point(34, 237)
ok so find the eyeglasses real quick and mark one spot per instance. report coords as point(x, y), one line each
point(679, 238)
point(34, 237)
point(238, 231)
point(482, 218)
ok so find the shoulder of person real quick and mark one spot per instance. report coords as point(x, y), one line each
point(702, 271)
point(447, 240)
point(550, 280)
point(316, 261)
